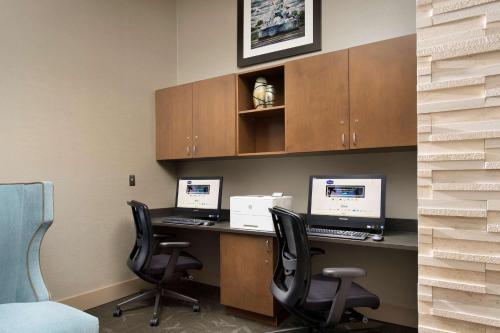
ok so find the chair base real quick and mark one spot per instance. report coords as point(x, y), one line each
point(157, 293)
point(302, 329)
point(350, 316)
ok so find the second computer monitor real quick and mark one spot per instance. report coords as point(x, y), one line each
point(356, 202)
point(199, 196)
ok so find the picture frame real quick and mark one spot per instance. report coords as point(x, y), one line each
point(275, 29)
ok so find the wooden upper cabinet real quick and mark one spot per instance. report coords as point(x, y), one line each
point(214, 117)
point(364, 97)
point(174, 122)
point(317, 103)
point(383, 101)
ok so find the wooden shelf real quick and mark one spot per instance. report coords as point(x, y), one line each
point(263, 153)
point(261, 132)
point(262, 110)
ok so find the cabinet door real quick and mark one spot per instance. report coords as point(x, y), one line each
point(246, 264)
point(174, 122)
point(383, 99)
point(317, 103)
point(214, 117)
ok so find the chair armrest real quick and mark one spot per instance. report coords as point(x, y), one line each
point(175, 245)
point(346, 276)
point(316, 250)
point(344, 272)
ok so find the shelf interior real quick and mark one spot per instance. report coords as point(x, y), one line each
point(246, 82)
point(261, 132)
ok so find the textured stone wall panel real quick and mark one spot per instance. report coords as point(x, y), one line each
point(458, 89)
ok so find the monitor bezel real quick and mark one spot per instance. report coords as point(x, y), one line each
point(199, 212)
point(348, 222)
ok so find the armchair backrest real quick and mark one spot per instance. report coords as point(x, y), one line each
point(26, 212)
point(292, 276)
point(141, 253)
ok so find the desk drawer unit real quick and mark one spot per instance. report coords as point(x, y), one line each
point(247, 264)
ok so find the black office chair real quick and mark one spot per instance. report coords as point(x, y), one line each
point(321, 301)
point(159, 269)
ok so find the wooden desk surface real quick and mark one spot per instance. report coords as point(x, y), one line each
point(394, 239)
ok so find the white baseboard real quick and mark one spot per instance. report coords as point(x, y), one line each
point(93, 298)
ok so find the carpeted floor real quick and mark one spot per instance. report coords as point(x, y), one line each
point(177, 317)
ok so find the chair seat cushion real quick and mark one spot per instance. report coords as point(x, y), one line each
point(45, 317)
point(323, 290)
point(185, 262)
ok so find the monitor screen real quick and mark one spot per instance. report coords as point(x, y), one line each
point(199, 193)
point(343, 199)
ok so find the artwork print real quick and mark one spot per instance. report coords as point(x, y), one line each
point(275, 21)
point(275, 29)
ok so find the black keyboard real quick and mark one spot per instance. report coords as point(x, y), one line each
point(334, 233)
point(183, 220)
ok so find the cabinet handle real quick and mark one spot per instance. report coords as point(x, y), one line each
point(343, 139)
point(354, 138)
point(194, 149)
point(187, 150)
point(268, 247)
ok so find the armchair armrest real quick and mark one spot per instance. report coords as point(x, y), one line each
point(344, 272)
point(316, 250)
point(176, 245)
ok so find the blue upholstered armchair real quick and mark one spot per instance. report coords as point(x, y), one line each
point(26, 212)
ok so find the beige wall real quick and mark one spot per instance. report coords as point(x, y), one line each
point(207, 31)
point(77, 107)
point(291, 175)
point(207, 48)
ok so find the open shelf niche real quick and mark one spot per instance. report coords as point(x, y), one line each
point(261, 131)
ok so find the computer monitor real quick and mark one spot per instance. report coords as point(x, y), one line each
point(199, 196)
point(350, 202)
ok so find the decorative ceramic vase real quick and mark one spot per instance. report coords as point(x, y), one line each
point(270, 95)
point(259, 93)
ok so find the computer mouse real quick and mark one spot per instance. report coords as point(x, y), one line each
point(208, 223)
point(377, 237)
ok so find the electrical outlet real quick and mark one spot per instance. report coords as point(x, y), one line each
point(131, 180)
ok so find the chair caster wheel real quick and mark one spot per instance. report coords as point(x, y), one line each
point(117, 312)
point(196, 308)
point(154, 322)
point(364, 320)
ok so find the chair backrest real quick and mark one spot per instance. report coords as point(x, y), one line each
point(142, 251)
point(292, 275)
point(26, 212)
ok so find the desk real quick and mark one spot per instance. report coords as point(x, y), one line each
point(245, 251)
point(393, 239)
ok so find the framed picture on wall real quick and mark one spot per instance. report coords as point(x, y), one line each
point(275, 29)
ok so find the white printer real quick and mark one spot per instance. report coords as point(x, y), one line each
point(252, 211)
